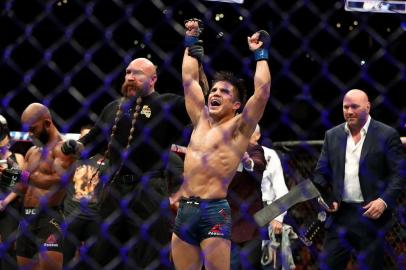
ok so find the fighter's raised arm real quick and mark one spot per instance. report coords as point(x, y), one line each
point(255, 106)
point(194, 97)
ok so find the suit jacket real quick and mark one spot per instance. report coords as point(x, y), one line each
point(381, 168)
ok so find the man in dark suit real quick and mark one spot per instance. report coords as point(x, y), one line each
point(360, 174)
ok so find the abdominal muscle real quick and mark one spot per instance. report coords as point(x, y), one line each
point(208, 173)
point(35, 197)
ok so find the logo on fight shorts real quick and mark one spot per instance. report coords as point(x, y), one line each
point(30, 211)
point(216, 230)
point(146, 110)
point(51, 241)
point(223, 213)
point(55, 223)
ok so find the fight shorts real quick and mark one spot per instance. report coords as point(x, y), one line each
point(39, 231)
point(198, 219)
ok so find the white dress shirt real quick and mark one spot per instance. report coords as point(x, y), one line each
point(273, 184)
point(352, 188)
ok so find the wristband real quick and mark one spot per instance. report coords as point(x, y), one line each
point(261, 54)
point(190, 40)
point(25, 176)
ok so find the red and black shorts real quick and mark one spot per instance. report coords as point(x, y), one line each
point(39, 231)
point(198, 219)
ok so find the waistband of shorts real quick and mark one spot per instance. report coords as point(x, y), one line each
point(196, 199)
point(129, 179)
point(40, 210)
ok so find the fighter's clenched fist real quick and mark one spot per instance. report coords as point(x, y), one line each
point(259, 43)
point(194, 27)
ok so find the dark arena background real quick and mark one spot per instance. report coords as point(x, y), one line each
point(71, 56)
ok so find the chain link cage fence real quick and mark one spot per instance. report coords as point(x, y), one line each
point(71, 55)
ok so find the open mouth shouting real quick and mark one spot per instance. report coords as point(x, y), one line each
point(214, 103)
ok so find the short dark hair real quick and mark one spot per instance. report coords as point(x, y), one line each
point(238, 84)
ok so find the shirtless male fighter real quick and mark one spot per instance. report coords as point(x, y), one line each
point(39, 244)
point(219, 139)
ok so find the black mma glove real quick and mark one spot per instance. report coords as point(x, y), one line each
point(197, 51)
point(263, 52)
point(9, 177)
point(69, 147)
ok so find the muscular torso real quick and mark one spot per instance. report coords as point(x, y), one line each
point(47, 176)
point(212, 157)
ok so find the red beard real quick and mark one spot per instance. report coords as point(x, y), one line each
point(129, 89)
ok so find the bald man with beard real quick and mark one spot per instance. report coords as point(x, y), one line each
point(40, 241)
point(360, 172)
point(137, 130)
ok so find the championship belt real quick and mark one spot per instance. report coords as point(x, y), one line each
point(314, 229)
point(302, 192)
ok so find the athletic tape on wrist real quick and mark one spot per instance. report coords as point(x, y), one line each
point(261, 54)
point(190, 40)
